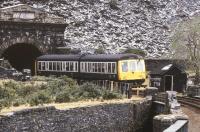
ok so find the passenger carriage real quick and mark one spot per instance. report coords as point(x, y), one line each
point(109, 70)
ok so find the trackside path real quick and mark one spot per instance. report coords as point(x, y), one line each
point(194, 118)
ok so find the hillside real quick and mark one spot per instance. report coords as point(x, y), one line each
point(118, 24)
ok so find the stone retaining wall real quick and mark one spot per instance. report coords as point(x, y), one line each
point(128, 116)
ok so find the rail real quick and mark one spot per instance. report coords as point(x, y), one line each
point(178, 126)
point(190, 101)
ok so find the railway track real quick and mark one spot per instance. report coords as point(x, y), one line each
point(190, 101)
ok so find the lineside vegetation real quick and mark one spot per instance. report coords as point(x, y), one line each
point(42, 90)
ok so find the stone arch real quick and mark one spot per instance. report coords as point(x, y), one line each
point(23, 40)
point(22, 55)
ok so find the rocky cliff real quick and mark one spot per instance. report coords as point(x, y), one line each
point(118, 24)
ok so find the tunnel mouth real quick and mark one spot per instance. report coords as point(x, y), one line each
point(22, 56)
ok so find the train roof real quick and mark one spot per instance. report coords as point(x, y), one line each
point(97, 57)
point(109, 57)
point(58, 57)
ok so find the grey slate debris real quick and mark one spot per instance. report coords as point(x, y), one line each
point(144, 24)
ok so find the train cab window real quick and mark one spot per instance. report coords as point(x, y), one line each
point(124, 66)
point(113, 67)
point(54, 66)
point(140, 66)
point(132, 66)
point(50, 66)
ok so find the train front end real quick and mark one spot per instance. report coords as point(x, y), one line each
point(132, 70)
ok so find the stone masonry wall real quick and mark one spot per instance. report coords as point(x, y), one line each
point(128, 116)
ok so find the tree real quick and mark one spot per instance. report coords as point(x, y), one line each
point(186, 45)
point(135, 51)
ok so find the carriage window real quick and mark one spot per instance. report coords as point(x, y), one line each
point(54, 66)
point(113, 67)
point(58, 66)
point(106, 67)
point(99, 67)
point(43, 66)
point(140, 66)
point(39, 66)
point(82, 66)
point(124, 66)
point(89, 67)
point(50, 66)
point(103, 67)
point(60, 63)
point(109, 68)
point(96, 67)
point(76, 66)
point(46, 66)
point(93, 67)
point(71, 66)
point(132, 66)
point(63, 66)
point(67, 66)
point(86, 67)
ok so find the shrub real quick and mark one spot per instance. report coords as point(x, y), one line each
point(87, 91)
point(63, 97)
point(5, 103)
point(7, 92)
point(40, 98)
point(111, 95)
point(42, 78)
point(19, 101)
point(25, 90)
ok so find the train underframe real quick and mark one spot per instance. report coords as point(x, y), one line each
point(123, 87)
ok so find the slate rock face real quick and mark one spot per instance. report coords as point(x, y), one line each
point(118, 24)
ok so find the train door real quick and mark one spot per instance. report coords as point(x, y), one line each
point(168, 83)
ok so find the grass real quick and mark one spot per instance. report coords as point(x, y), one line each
point(71, 105)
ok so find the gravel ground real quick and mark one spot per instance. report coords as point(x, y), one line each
point(194, 118)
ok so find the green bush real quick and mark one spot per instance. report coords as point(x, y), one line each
point(111, 95)
point(8, 91)
point(87, 91)
point(5, 103)
point(40, 97)
point(42, 78)
point(18, 102)
point(62, 97)
point(60, 89)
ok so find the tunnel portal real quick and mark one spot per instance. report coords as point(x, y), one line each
point(22, 56)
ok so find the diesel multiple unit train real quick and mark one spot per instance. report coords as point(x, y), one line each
point(109, 70)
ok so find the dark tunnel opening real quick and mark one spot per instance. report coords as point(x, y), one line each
point(22, 56)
